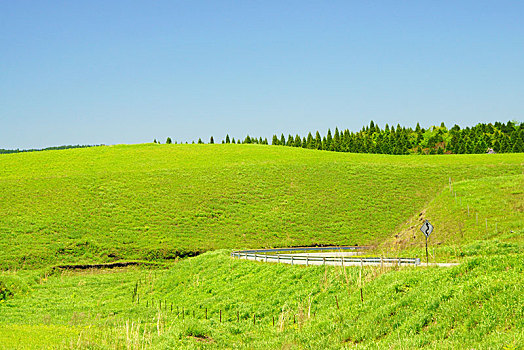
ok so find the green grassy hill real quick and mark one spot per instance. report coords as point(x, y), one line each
point(475, 305)
point(161, 201)
point(158, 202)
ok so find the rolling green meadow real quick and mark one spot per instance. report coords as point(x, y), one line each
point(183, 208)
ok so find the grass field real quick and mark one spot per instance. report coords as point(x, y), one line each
point(162, 202)
point(402, 308)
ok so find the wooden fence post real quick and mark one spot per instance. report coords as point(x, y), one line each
point(360, 275)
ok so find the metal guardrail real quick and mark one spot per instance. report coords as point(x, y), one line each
point(295, 249)
point(319, 260)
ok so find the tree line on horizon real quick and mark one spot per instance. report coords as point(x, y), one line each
point(481, 138)
point(499, 137)
point(9, 151)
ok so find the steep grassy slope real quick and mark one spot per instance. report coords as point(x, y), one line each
point(475, 305)
point(474, 217)
point(159, 201)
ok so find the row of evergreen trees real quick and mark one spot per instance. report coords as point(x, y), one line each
point(247, 139)
point(6, 151)
point(501, 137)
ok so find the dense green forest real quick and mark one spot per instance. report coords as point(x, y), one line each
point(498, 137)
point(501, 137)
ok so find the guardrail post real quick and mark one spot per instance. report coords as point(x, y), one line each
point(417, 261)
point(278, 258)
point(266, 258)
point(324, 260)
point(291, 260)
point(307, 260)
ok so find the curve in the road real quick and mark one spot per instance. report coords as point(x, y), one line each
point(335, 256)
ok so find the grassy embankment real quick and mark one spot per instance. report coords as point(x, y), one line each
point(148, 202)
point(260, 190)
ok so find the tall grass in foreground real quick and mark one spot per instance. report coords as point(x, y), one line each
point(474, 305)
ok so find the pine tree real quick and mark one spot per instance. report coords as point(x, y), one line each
point(233, 140)
point(290, 141)
point(211, 141)
point(298, 141)
point(282, 140)
point(227, 139)
point(168, 141)
point(336, 141)
point(329, 141)
point(518, 146)
point(275, 142)
point(318, 141)
point(310, 142)
point(154, 141)
point(200, 141)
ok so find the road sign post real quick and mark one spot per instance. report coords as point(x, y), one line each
point(426, 229)
point(427, 259)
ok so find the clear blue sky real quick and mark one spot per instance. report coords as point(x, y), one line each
point(93, 72)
